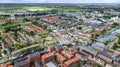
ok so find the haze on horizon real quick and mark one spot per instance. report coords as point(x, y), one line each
point(59, 1)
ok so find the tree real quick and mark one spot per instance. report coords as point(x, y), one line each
point(43, 35)
point(115, 46)
point(99, 65)
point(26, 44)
point(79, 65)
point(49, 30)
point(17, 46)
point(84, 62)
point(79, 27)
point(92, 39)
point(106, 43)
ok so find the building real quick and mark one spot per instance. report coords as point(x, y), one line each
point(50, 64)
point(72, 63)
point(47, 57)
point(34, 57)
point(24, 63)
point(60, 58)
point(3, 65)
point(89, 49)
point(58, 48)
point(67, 54)
point(10, 66)
point(51, 48)
point(103, 58)
point(37, 64)
point(81, 56)
point(117, 63)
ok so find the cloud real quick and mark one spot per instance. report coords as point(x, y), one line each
point(59, 1)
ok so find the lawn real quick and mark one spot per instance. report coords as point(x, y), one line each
point(21, 23)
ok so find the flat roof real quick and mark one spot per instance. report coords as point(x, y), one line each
point(21, 63)
point(107, 38)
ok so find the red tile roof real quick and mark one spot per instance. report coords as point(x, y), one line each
point(50, 19)
point(74, 60)
point(47, 55)
point(10, 66)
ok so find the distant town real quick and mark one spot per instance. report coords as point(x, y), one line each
point(59, 35)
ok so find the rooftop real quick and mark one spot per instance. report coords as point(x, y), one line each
point(47, 55)
point(60, 56)
point(21, 63)
point(50, 64)
point(107, 38)
point(69, 62)
point(67, 53)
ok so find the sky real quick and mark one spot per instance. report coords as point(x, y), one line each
point(59, 1)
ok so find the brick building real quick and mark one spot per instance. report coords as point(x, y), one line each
point(60, 58)
point(47, 57)
point(72, 63)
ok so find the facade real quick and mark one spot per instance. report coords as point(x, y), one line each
point(60, 58)
point(67, 54)
point(33, 57)
point(37, 64)
point(58, 48)
point(72, 63)
point(81, 56)
point(47, 57)
point(24, 63)
point(51, 48)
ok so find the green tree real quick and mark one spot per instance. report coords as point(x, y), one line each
point(84, 62)
point(17, 46)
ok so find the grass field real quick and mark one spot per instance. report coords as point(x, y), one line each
point(37, 8)
point(25, 8)
point(71, 10)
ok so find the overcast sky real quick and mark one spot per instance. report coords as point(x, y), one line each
point(59, 1)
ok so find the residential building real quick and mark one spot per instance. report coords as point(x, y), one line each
point(60, 58)
point(24, 63)
point(67, 54)
point(47, 57)
point(34, 57)
point(72, 63)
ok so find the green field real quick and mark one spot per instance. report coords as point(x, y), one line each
point(20, 23)
point(71, 10)
point(25, 8)
point(37, 8)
